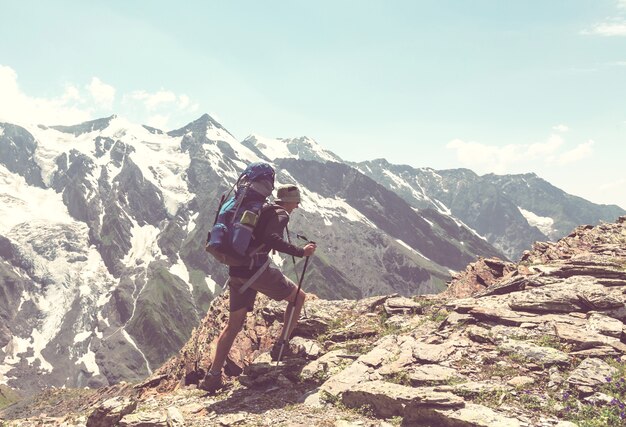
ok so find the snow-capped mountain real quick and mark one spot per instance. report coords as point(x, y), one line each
point(510, 211)
point(103, 272)
point(303, 148)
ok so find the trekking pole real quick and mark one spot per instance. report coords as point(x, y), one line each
point(293, 259)
point(293, 311)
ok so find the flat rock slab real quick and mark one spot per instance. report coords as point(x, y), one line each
point(535, 353)
point(471, 415)
point(305, 347)
point(111, 411)
point(402, 305)
point(521, 381)
point(606, 325)
point(473, 388)
point(355, 373)
point(386, 349)
point(432, 374)
point(143, 419)
point(329, 364)
point(591, 372)
point(432, 353)
point(389, 399)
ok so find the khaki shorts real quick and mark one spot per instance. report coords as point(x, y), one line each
point(272, 282)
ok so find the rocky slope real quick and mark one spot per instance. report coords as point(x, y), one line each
point(538, 343)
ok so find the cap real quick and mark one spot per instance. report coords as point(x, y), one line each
point(288, 194)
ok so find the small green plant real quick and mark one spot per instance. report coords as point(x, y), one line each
point(531, 401)
point(455, 381)
point(359, 347)
point(491, 398)
point(553, 342)
point(400, 377)
point(426, 303)
point(500, 370)
point(513, 357)
point(329, 398)
point(439, 315)
point(389, 329)
point(366, 410)
point(395, 421)
point(333, 326)
point(319, 376)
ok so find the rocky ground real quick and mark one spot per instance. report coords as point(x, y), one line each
point(537, 343)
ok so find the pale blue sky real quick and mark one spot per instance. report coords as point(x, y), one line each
point(497, 86)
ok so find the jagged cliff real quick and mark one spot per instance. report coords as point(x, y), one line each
point(537, 343)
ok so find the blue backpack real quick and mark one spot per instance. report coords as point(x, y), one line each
point(229, 239)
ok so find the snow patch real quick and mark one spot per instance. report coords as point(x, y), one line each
point(40, 341)
point(15, 346)
point(401, 183)
point(211, 284)
point(144, 245)
point(89, 359)
point(329, 208)
point(412, 250)
point(4, 369)
point(543, 223)
point(192, 222)
point(81, 336)
point(20, 203)
point(130, 339)
point(180, 269)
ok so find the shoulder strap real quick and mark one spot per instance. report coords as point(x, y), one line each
point(256, 275)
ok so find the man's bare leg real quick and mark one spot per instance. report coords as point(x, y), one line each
point(227, 338)
point(296, 308)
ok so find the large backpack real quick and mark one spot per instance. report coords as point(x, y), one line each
point(229, 241)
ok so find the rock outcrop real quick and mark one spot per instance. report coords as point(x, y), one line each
point(538, 343)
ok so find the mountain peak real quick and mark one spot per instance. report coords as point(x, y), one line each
point(202, 124)
point(302, 147)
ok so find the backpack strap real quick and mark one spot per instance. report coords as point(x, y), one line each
point(256, 275)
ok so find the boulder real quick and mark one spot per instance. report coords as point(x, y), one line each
point(591, 372)
point(174, 417)
point(111, 411)
point(431, 375)
point(143, 419)
point(432, 353)
point(535, 353)
point(355, 373)
point(470, 415)
point(389, 399)
point(386, 349)
point(605, 325)
point(329, 364)
point(401, 305)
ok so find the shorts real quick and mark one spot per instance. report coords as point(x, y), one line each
point(272, 282)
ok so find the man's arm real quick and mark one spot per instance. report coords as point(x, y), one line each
point(273, 235)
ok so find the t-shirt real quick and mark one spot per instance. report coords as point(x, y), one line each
point(269, 231)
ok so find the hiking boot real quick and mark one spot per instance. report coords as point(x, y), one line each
point(287, 350)
point(212, 382)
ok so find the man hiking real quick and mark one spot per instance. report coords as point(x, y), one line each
point(271, 282)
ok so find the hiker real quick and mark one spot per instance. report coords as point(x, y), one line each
point(271, 282)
